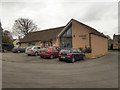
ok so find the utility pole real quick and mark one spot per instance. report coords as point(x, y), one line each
point(1, 30)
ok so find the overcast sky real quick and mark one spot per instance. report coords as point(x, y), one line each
point(103, 16)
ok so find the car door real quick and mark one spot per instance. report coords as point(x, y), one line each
point(38, 49)
point(79, 54)
point(74, 52)
point(54, 51)
point(57, 51)
point(35, 49)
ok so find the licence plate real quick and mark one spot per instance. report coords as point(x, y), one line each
point(62, 57)
point(43, 52)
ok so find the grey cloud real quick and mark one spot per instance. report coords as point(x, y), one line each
point(98, 10)
point(48, 14)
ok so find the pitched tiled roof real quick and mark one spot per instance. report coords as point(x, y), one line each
point(51, 34)
point(44, 35)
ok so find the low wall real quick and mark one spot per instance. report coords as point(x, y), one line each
point(90, 55)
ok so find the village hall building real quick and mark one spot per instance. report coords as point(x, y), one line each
point(74, 35)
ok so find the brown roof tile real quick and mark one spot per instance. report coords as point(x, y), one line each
point(44, 35)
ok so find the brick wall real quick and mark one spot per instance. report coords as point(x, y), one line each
point(37, 43)
point(115, 45)
point(79, 31)
point(23, 45)
point(58, 42)
point(99, 45)
point(54, 42)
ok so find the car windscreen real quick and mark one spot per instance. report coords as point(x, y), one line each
point(65, 51)
point(44, 49)
point(15, 47)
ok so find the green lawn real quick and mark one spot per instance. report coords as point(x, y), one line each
point(113, 51)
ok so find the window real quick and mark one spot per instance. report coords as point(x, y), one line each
point(57, 49)
point(65, 51)
point(29, 47)
point(78, 51)
point(38, 47)
point(35, 47)
point(44, 49)
point(54, 49)
point(66, 38)
point(75, 51)
point(83, 38)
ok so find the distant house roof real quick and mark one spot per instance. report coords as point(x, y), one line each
point(116, 38)
point(51, 34)
point(44, 35)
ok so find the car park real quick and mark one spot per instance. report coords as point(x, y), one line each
point(18, 49)
point(49, 52)
point(33, 50)
point(71, 55)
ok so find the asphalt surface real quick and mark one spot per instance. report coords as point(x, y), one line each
point(22, 71)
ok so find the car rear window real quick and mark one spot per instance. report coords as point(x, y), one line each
point(38, 47)
point(45, 49)
point(65, 51)
point(29, 47)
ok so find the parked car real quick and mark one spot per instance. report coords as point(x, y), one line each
point(18, 49)
point(6, 47)
point(33, 50)
point(49, 52)
point(71, 55)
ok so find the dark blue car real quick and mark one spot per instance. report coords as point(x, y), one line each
point(18, 49)
point(71, 54)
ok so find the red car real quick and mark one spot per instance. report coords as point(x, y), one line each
point(49, 52)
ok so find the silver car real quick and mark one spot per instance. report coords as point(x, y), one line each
point(33, 50)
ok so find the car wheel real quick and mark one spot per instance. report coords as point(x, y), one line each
point(51, 56)
point(36, 53)
point(29, 55)
point(18, 51)
point(41, 56)
point(60, 59)
point(73, 60)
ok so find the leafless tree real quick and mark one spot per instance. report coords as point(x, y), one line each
point(7, 33)
point(23, 26)
point(7, 37)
